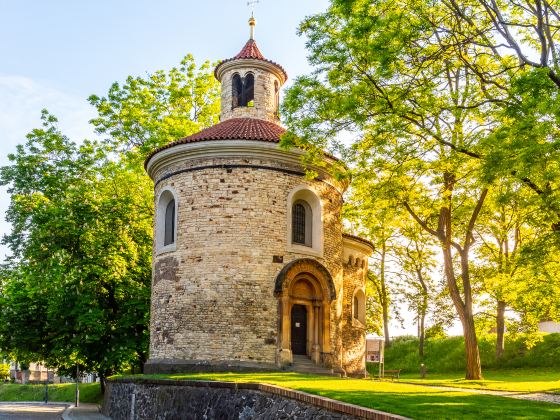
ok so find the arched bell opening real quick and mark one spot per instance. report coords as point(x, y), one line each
point(305, 291)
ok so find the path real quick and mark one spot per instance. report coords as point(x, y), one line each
point(31, 411)
point(533, 396)
point(51, 411)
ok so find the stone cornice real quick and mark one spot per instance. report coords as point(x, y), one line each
point(246, 149)
point(252, 64)
point(358, 244)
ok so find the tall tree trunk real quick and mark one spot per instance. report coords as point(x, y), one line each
point(473, 368)
point(384, 297)
point(102, 382)
point(422, 335)
point(464, 310)
point(422, 313)
point(500, 328)
point(463, 304)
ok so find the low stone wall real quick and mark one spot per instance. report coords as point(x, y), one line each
point(141, 398)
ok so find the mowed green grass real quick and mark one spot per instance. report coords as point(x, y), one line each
point(415, 401)
point(89, 393)
point(514, 380)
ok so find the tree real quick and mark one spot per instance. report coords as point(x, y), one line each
point(383, 72)
point(4, 371)
point(418, 287)
point(78, 291)
point(378, 223)
point(521, 42)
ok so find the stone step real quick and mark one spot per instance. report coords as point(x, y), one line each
point(303, 364)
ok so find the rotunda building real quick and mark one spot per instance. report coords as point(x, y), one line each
point(251, 269)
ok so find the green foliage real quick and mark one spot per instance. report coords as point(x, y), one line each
point(447, 126)
point(89, 393)
point(448, 354)
point(76, 290)
point(4, 371)
point(435, 331)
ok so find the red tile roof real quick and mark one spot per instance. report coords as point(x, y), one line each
point(250, 52)
point(233, 129)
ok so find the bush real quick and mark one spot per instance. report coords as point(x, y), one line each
point(4, 371)
point(448, 354)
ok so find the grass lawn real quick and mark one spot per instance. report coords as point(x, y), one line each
point(89, 393)
point(515, 380)
point(415, 401)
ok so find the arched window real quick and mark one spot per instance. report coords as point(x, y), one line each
point(277, 98)
point(359, 306)
point(166, 221)
point(249, 90)
point(169, 234)
point(237, 89)
point(302, 223)
point(242, 90)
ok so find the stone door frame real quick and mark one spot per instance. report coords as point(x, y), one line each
point(319, 294)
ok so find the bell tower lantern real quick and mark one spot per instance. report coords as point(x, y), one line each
point(250, 83)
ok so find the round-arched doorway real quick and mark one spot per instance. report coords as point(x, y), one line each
point(305, 291)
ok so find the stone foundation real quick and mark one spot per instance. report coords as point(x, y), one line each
point(168, 399)
point(165, 366)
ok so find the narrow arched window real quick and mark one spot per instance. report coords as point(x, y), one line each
point(298, 224)
point(236, 90)
point(169, 235)
point(301, 223)
point(248, 90)
point(359, 306)
point(277, 98)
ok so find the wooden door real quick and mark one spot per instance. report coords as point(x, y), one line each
point(299, 329)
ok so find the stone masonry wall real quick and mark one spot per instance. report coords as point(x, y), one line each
point(165, 400)
point(353, 331)
point(212, 298)
point(265, 99)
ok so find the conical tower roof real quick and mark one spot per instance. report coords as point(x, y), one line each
point(250, 123)
point(250, 51)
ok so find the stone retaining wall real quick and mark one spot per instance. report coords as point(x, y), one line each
point(132, 399)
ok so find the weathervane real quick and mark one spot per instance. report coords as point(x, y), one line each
point(251, 3)
point(252, 21)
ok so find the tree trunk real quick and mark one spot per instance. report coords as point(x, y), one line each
point(473, 368)
point(384, 298)
point(422, 336)
point(465, 312)
point(102, 382)
point(500, 328)
point(463, 304)
point(386, 326)
point(422, 315)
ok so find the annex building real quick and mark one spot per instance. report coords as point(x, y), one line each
point(251, 268)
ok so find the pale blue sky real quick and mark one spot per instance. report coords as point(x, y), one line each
point(80, 47)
